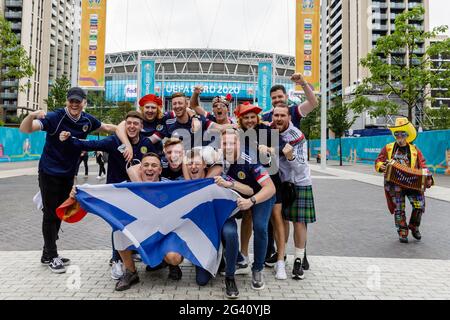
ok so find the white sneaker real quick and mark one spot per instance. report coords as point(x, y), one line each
point(136, 257)
point(117, 270)
point(280, 270)
point(99, 177)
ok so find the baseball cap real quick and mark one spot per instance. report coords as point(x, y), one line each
point(76, 93)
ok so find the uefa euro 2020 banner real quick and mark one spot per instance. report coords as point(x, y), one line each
point(92, 46)
point(307, 57)
point(147, 77)
point(264, 85)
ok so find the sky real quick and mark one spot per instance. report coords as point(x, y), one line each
point(257, 25)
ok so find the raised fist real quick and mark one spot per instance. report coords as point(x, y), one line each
point(64, 135)
point(298, 79)
point(198, 89)
point(38, 114)
point(288, 151)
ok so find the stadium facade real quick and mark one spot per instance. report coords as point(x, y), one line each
point(179, 70)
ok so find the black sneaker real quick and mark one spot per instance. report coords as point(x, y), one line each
point(305, 263)
point(56, 265)
point(297, 271)
point(257, 280)
point(231, 289)
point(158, 267)
point(272, 260)
point(403, 239)
point(46, 261)
point(416, 233)
point(128, 279)
point(175, 272)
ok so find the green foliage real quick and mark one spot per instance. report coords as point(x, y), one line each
point(13, 57)
point(58, 93)
point(338, 117)
point(310, 125)
point(111, 114)
point(406, 80)
point(338, 120)
point(439, 119)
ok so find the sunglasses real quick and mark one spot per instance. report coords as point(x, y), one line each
point(401, 134)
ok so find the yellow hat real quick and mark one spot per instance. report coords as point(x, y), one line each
point(403, 124)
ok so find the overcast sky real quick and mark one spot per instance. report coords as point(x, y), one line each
point(259, 25)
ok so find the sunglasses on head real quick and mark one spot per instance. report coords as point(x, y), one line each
point(401, 134)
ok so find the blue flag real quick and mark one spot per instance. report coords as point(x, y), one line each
point(156, 218)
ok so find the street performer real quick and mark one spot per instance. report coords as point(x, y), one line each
point(404, 152)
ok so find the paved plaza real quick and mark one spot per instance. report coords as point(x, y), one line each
point(353, 248)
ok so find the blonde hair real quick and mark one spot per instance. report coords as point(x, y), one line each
point(171, 142)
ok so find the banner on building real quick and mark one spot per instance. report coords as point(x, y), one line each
point(147, 77)
point(307, 57)
point(264, 85)
point(92, 45)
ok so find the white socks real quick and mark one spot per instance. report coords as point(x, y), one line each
point(299, 253)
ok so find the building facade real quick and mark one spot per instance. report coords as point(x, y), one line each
point(438, 63)
point(45, 29)
point(353, 28)
point(219, 71)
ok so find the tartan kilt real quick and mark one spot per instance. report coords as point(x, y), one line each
point(302, 209)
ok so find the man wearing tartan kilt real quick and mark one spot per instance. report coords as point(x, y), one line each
point(296, 177)
point(404, 152)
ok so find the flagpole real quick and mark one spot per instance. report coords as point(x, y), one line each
point(323, 88)
point(75, 43)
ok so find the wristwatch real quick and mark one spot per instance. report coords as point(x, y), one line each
point(253, 200)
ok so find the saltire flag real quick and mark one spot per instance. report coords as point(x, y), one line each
point(156, 218)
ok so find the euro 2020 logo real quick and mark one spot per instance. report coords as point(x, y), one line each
point(308, 4)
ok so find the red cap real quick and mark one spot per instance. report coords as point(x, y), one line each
point(150, 98)
point(70, 211)
point(245, 108)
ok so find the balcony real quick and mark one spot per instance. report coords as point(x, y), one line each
point(380, 16)
point(13, 3)
point(9, 83)
point(8, 95)
point(13, 14)
point(16, 26)
point(398, 5)
point(379, 5)
point(414, 4)
point(379, 27)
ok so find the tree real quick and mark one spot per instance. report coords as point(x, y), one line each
point(407, 79)
point(439, 119)
point(310, 125)
point(58, 93)
point(14, 61)
point(117, 114)
point(338, 122)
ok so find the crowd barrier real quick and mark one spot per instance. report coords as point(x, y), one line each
point(435, 146)
point(18, 146)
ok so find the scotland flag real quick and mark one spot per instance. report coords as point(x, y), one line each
point(155, 218)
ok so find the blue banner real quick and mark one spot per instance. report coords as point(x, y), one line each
point(435, 146)
point(147, 77)
point(264, 85)
point(18, 146)
point(126, 90)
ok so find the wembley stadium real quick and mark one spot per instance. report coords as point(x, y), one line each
point(179, 70)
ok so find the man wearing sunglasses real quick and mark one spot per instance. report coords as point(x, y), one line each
point(404, 152)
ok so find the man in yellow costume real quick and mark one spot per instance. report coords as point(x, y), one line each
point(404, 152)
